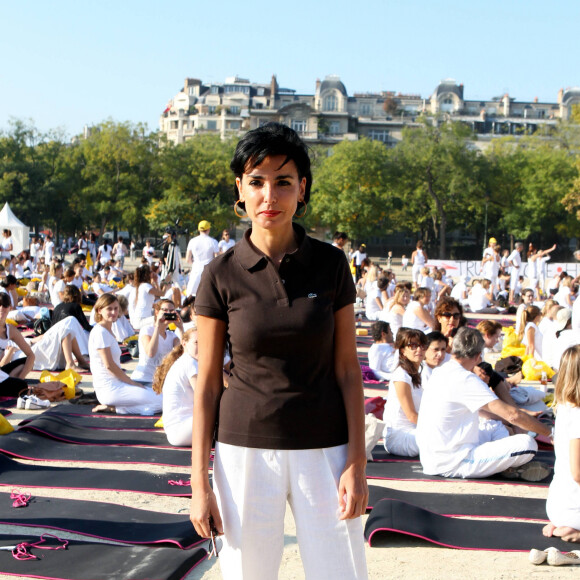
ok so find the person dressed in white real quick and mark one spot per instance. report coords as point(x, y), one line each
point(201, 250)
point(141, 297)
point(532, 335)
point(176, 378)
point(394, 310)
point(480, 297)
point(435, 355)
point(565, 337)
point(416, 314)
point(156, 341)
point(6, 246)
point(113, 388)
point(48, 249)
point(405, 392)
point(563, 505)
point(226, 242)
point(448, 432)
point(148, 252)
point(490, 262)
point(120, 251)
point(383, 358)
point(514, 262)
point(56, 284)
point(419, 259)
point(105, 252)
point(373, 303)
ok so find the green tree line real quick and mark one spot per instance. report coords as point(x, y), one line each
point(434, 182)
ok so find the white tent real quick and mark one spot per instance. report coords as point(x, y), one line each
point(8, 221)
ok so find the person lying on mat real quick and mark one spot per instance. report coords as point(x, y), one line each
point(383, 359)
point(563, 505)
point(450, 441)
point(113, 388)
point(405, 392)
point(176, 377)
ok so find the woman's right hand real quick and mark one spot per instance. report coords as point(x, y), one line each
point(204, 506)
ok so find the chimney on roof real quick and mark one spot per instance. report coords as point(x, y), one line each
point(535, 99)
point(317, 89)
point(273, 86)
point(560, 96)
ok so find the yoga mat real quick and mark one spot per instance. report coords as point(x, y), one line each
point(22, 475)
point(94, 561)
point(35, 447)
point(57, 428)
point(403, 518)
point(408, 470)
point(497, 506)
point(113, 422)
point(68, 408)
point(5, 412)
point(104, 521)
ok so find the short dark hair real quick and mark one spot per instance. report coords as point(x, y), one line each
point(377, 329)
point(436, 336)
point(267, 141)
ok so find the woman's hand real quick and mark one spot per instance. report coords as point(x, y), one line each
point(353, 491)
point(204, 506)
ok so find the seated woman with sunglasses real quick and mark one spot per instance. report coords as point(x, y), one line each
point(156, 341)
point(405, 392)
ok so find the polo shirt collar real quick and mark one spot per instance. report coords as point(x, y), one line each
point(249, 256)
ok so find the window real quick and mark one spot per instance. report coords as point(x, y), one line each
point(378, 135)
point(215, 90)
point(211, 109)
point(191, 91)
point(334, 128)
point(212, 125)
point(174, 124)
point(298, 126)
point(365, 109)
point(330, 103)
point(234, 110)
point(235, 125)
point(260, 92)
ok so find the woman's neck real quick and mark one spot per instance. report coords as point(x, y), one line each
point(107, 324)
point(274, 244)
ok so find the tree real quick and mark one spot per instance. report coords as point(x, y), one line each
point(196, 183)
point(350, 191)
point(436, 179)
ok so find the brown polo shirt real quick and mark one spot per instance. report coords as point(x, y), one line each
point(282, 392)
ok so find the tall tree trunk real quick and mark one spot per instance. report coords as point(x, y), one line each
point(440, 210)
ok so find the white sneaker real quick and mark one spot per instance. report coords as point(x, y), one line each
point(21, 402)
point(33, 402)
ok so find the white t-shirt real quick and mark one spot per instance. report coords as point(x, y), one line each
point(48, 252)
point(537, 340)
point(448, 425)
point(419, 259)
point(459, 291)
point(54, 287)
point(101, 338)
point(148, 253)
point(394, 416)
point(145, 369)
point(224, 245)
point(372, 309)
point(516, 259)
point(488, 268)
point(562, 295)
point(177, 391)
point(5, 244)
point(477, 298)
point(563, 504)
point(358, 257)
point(203, 249)
point(566, 339)
point(411, 320)
point(383, 359)
point(106, 252)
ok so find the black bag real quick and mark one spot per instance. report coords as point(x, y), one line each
point(133, 346)
point(42, 325)
point(509, 365)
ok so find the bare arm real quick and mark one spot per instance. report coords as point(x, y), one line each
point(405, 397)
point(352, 482)
point(575, 459)
point(530, 336)
point(424, 316)
point(19, 341)
point(516, 417)
point(211, 334)
point(114, 368)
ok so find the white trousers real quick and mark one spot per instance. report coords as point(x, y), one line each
point(496, 456)
point(252, 487)
point(401, 442)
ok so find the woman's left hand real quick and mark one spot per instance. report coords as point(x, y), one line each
point(353, 491)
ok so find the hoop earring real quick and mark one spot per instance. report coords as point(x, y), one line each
point(305, 206)
point(236, 210)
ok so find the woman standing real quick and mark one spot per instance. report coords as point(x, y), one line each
point(419, 259)
point(141, 297)
point(113, 387)
point(6, 244)
point(291, 422)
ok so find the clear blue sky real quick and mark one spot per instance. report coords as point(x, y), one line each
point(67, 63)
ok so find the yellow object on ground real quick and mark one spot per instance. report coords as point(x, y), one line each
point(24, 281)
point(69, 377)
point(11, 322)
point(159, 423)
point(362, 332)
point(21, 291)
point(532, 370)
point(5, 426)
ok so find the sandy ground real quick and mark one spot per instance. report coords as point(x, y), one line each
point(395, 557)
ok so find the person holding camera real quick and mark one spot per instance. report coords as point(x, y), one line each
point(156, 341)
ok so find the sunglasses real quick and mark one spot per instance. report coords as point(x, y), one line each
point(414, 346)
point(454, 315)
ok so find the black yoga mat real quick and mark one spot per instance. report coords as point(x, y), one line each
point(411, 470)
point(395, 516)
point(36, 447)
point(5, 412)
point(7, 403)
point(22, 475)
point(496, 506)
point(104, 521)
point(112, 422)
point(95, 561)
point(60, 429)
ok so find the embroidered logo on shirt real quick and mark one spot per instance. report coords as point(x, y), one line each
point(312, 295)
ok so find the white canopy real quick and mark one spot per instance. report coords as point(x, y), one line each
point(20, 239)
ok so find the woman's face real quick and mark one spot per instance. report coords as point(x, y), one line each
point(414, 351)
point(449, 321)
point(491, 339)
point(4, 310)
point(405, 298)
point(110, 313)
point(425, 299)
point(271, 192)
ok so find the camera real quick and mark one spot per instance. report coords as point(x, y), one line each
point(170, 316)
